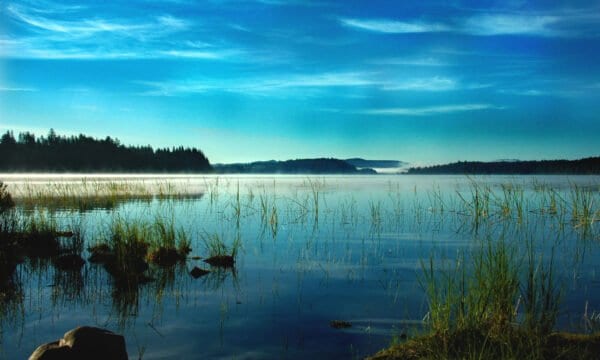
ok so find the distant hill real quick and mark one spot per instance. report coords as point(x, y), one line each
point(589, 165)
point(82, 153)
point(298, 166)
point(383, 164)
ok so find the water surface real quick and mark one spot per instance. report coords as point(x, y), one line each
point(313, 249)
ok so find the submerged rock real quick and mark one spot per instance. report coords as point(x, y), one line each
point(164, 256)
point(340, 324)
point(101, 253)
point(85, 342)
point(69, 262)
point(197, 272)
point(221, 261)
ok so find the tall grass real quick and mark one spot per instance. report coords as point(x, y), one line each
point(491, 303)
point(216, 246)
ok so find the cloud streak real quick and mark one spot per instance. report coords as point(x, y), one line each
point(87, 27)
point(435, 83)
point(430, 110)
point(393, 26)
point(279, 85)
point(543, 25)
point(16, 89)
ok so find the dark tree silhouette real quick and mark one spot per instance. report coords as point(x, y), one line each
point(298, 166)
point(82, 153)
point(589, 165)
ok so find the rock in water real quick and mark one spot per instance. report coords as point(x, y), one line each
point(197, 272)
point(69, 262)
point(339, 324)
point(52, 351)
point(85, 342)
point(226, 261)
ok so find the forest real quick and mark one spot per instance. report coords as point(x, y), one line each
point(590, 165)
point(55, 153)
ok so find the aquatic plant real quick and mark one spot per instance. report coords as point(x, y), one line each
point(475, 304)
point(167, 244)
point(6, 201)
point(219, 254)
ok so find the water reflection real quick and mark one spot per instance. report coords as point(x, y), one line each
point(309, 252)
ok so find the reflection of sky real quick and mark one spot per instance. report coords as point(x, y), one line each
point(423, 82)
point(289, 286)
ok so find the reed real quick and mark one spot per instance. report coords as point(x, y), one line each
point(486, 305)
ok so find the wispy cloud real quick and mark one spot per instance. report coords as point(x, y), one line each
point(87, 27)
point(16, 89)
point(412, 61)
point(258, 86)
point(532, 24)
point(430, 110)
point(424, 84)
point(279, 85)
point(393, 26)
point(326, 80)
point(84, 27)
point(511, 25)
point(173, 88)
point(525, 92)
point(198, 54)
point(50, 35)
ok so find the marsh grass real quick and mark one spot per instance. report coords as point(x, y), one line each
point(6, 200)
point(130, 243)
point(491, 303)
point(219, 254)
point(168, 245)
point(87, 195)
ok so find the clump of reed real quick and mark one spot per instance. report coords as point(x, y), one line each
point(123, 252)
point(8, 253)
point(491, 303)
point(219, 254)
point(169, 245)
point(131, 244)
point(88, 195)
point(6, 200)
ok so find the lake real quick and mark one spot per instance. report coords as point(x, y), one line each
point(309, 250)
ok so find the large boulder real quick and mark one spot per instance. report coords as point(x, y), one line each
point(85, 342)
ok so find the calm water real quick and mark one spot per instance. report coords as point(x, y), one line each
point(312, 250)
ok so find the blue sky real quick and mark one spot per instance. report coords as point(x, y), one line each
point(425, 82)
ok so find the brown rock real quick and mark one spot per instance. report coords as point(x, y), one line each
point(84, 342)
point(52, 351)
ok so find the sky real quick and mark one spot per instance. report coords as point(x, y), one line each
point(425, 82)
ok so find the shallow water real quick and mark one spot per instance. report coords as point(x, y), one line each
point(312, 250)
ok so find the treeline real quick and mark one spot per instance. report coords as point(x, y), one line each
point(584, 166)
point(54, 153)
point(298, 166)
